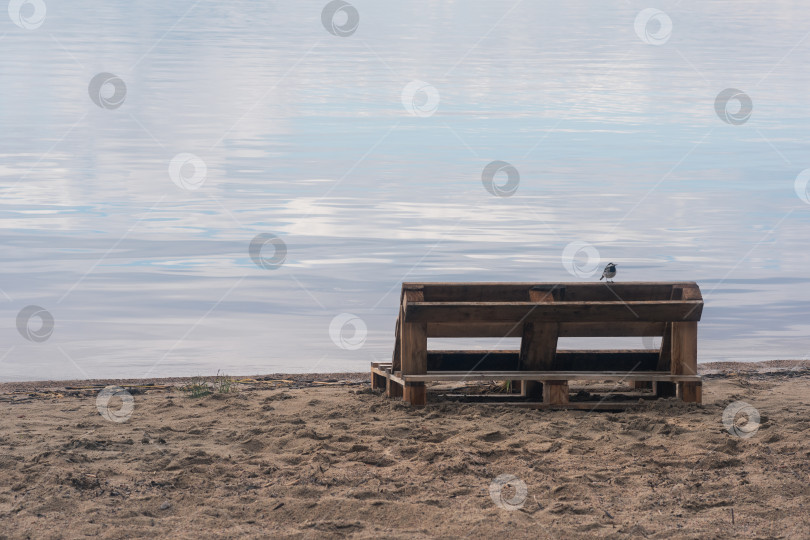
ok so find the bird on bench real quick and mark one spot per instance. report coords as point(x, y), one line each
point(609, 273)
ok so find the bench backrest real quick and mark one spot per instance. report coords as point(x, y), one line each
point(582, 309)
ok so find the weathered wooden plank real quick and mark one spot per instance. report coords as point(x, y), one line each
point(393, 389)
point(528, 284)
point(567, 329)
point(660, 310)
point(381, 368)
point(518, 291)
point(555, 392)
point(684, 348)
point(690, 392)
point(377, 380)
point(414, 394)
point(413, 343)
point(624, 292)
point(577, 405)
point(683, 336)
point(690, 292)
point(396, 377)
point(549, 376)
point(413, 293)
point(413, 337)
point(539, 342)
point(414, 348)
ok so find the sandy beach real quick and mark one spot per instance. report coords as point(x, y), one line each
point(322, 456)
point(527, 222)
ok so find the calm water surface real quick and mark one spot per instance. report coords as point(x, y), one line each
point(305, 136)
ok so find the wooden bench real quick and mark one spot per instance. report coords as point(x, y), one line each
point(539, 314)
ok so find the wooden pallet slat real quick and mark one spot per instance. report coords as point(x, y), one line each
point(539, 343)
point(441, 376)
point(516, 312)
point(517, 291)
point(413, 350)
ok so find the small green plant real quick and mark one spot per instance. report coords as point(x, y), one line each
point(224, 384)
point(198, 387)
point(504, 387)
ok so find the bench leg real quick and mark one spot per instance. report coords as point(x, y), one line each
point(537, 349)
point(392, 389)
point(555, 392)
point(684, 348)
point(538, 345)
point(377, 381)
point(415, 394)
point(413, 345)
point(691, 392)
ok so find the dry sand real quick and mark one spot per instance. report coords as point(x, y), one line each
point(307, 460)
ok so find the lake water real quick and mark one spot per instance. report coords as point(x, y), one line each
point(130, 200)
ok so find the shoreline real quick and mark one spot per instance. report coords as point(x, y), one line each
point(709, 369)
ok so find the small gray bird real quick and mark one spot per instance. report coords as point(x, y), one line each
point(609, 273)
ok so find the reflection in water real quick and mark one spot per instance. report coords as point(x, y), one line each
point(141, 253)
